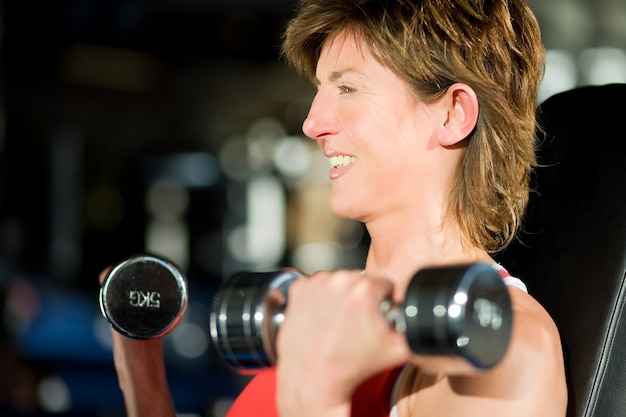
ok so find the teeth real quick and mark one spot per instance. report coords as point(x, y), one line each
point(340, 161)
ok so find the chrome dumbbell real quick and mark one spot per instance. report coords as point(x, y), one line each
point(144, 296)
point(459, 311)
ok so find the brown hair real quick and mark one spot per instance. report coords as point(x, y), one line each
point(494, 46)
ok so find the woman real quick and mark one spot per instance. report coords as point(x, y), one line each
point(426, 111)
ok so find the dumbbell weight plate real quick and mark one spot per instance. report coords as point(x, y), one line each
point(245, 316)
point(462, 311)
point(144, 296)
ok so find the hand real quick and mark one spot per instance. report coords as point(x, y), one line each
point(334, 338)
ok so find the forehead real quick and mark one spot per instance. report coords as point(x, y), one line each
point(343, 52)
point(348, 43)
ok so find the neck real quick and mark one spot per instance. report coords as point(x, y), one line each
point(398, 250)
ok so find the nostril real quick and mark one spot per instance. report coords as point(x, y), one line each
point(319, 127)
point(311, 129)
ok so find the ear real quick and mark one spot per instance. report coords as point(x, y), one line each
point(461, 108)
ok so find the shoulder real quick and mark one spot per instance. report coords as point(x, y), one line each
point(532, 373)
point(534, 335)
point(530, 379)
point(535, 341)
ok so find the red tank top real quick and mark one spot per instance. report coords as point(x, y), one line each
point(370, 399)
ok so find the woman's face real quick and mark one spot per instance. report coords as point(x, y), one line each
point(377, 136)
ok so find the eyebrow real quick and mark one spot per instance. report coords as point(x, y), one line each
point(335, 75)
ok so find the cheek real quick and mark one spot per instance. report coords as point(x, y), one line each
point(371, 129)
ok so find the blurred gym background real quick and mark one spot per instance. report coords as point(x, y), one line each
point(171, 126)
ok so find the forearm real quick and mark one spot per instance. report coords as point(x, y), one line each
point(307, 411)
point(142, 377)
point(310, 403)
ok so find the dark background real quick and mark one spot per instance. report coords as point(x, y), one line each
point(104, 100)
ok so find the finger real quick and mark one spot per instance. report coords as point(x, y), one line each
point(375, 288)
point(103, 274)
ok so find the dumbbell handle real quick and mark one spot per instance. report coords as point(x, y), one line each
point(461, 310)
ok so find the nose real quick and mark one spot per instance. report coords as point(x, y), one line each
point(320, 121)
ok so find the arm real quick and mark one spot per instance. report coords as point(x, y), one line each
point(530, 379)
point(140, 367)
point(141, 375)
point(333, 339)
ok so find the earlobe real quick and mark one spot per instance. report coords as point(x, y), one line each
point(462, 107)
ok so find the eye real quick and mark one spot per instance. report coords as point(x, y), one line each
point(345, 89)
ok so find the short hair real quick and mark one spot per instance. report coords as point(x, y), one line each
point(494, 46)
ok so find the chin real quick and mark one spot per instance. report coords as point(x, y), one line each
point(345, 207)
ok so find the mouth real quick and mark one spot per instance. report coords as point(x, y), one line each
point(339, 161)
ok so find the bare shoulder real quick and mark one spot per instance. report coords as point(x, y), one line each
point(529, 381)
point(531, 376)
point(534, 331)
point(535, 342)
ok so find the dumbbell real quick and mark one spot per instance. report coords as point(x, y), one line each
point(144, 296)
point(462, 311)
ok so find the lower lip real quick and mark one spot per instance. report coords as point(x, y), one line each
point(335, 173)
